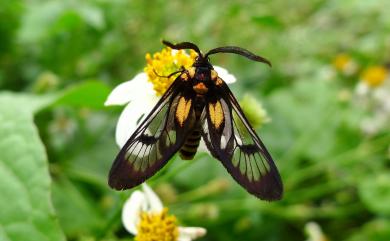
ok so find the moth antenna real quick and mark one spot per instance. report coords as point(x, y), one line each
point(183, 45)
point(239, 51)
point(170, 75)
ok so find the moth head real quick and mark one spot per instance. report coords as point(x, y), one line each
point(200, 61)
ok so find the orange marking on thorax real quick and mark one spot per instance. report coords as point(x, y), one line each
point(200, 88)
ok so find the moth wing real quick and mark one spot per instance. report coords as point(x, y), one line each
point(156, 140)
point(231, 139)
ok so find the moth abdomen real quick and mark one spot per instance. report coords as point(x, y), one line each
point(190, 146)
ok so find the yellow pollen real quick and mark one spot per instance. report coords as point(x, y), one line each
point(157, 226)
point(374, 76)
point(165, 63)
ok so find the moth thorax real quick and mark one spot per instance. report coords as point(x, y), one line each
point(202, 73)
point(200, 88)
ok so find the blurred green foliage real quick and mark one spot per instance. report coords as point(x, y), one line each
point(59, 59)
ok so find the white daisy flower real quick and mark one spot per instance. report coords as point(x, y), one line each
point(373, 94)
point(144, 216)
point(142, 93)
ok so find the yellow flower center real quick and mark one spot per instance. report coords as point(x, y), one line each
point(374, 76)
point(157, 226)
point(341, 62)
point(164, 63)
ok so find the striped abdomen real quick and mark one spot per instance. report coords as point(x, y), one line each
point(188, 150)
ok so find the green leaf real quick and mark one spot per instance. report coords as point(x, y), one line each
point(92, 15)
point(25, 203)
point(78, 214)
point(90, 94)
point(376, 230)
point(72, 196)
point(375, 193)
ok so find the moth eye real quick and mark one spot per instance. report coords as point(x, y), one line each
point(214, 75)
point(191, 72)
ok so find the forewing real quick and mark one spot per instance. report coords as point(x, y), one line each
point(230, 138)
point(156, 140)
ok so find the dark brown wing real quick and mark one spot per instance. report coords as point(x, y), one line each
point(230, 138)
point(156, 140)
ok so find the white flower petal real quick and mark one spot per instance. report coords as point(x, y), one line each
point(225, 75)
point(350, 68)
point(184, 238)
point(371, 126)
point(130, 90)
point(382, 96)
point(314, 232)
point(155, 204)
point(202, 147)
point(190, 233)
point(131, 211)
point(174, 52)
point(128, 120)
point(362, 89)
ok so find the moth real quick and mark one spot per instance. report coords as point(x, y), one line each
point(199, 104)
